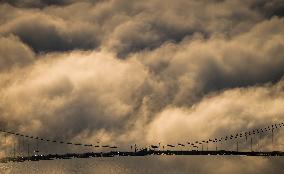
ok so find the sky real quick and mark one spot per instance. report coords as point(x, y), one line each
point(124, 72)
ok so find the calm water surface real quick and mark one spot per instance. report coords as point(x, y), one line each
point(150, 164)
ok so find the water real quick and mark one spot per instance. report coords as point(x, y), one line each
point(151, 165)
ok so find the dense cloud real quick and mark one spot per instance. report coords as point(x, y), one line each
point(44, 33)
point(124, 26)
point(127, 27)
point(270, 8)
point(41, 3)
point(199, 65)
point(125, 72)
point(239, 109)
point(10, 49)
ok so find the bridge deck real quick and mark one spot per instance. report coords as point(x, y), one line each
point(139, 153)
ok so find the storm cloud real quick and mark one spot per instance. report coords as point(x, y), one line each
point(134, 72)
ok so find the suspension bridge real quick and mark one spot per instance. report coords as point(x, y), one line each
point(246, 143)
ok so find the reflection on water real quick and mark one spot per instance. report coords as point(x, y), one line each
point(150, 164)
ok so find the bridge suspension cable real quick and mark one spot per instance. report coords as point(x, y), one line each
point(55, 141)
